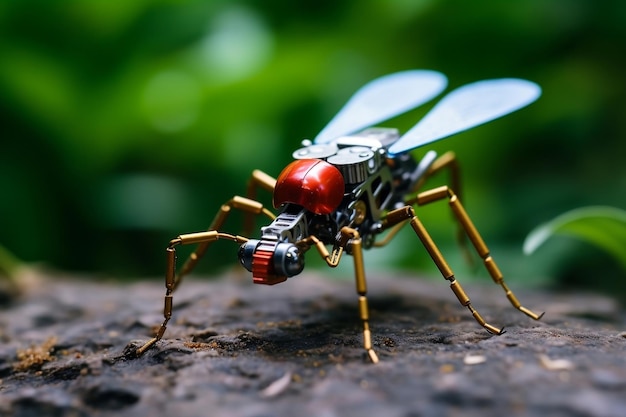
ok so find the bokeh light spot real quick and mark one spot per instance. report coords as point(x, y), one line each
point(237, 45)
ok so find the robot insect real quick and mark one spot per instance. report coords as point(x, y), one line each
point(353, 182)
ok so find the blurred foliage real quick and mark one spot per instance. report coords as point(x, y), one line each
point(127, 123)
point(604, 227)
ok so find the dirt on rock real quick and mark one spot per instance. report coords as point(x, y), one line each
point(236, 349)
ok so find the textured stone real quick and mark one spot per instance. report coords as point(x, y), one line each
point(237, 349)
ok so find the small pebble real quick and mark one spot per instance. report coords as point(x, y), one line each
point(555, 364)
point(474, 359)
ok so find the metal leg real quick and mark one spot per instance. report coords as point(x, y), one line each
point(170, 273)
point(447, 161)
point(361, 289)
point(250, 207)
point(407, 213)
point(480, 246)
point(258, 179)
point(203, 240)
point(349, 237)
point(447, 273)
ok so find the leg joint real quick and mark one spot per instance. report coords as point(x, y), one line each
point(460, 293)
point(435, 194)
point(398, 216)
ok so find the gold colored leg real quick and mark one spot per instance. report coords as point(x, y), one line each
point(203, 240)
point(447, 161)
point(447, 273)
point(361, 289)
point(250, 207)
point(474, 237)
point(258, 179)
point(170, 274)
point(407, 213)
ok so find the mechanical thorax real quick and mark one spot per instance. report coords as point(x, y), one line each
point(350, 181)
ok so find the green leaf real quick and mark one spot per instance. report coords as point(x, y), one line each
point(9, 266)
point(604, 227)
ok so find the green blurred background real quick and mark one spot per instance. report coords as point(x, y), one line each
point(127, 123)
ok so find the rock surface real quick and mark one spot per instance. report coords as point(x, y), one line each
point(236, 349)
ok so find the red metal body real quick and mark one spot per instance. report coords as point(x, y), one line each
point(313, 184)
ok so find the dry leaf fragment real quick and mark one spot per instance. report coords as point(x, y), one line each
point(277, 386)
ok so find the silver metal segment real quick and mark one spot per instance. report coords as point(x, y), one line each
point(357, 156)
point(316, 151)
point(287, 226)
point(355, 163)
point(423, 166)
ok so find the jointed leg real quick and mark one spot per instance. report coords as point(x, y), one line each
point(248, 204)
point(203, 240)
point(361, 289)
point(258, 179)
point(447, 161)
point(250, 207)
point(351, 237)
point(482, 249)
point(170, 273)
point(407, 213)
point(400, 215)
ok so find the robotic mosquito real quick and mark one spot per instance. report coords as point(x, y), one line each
point(354, 182)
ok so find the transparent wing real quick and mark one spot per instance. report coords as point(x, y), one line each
point(466, 107)
point(382, 99)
